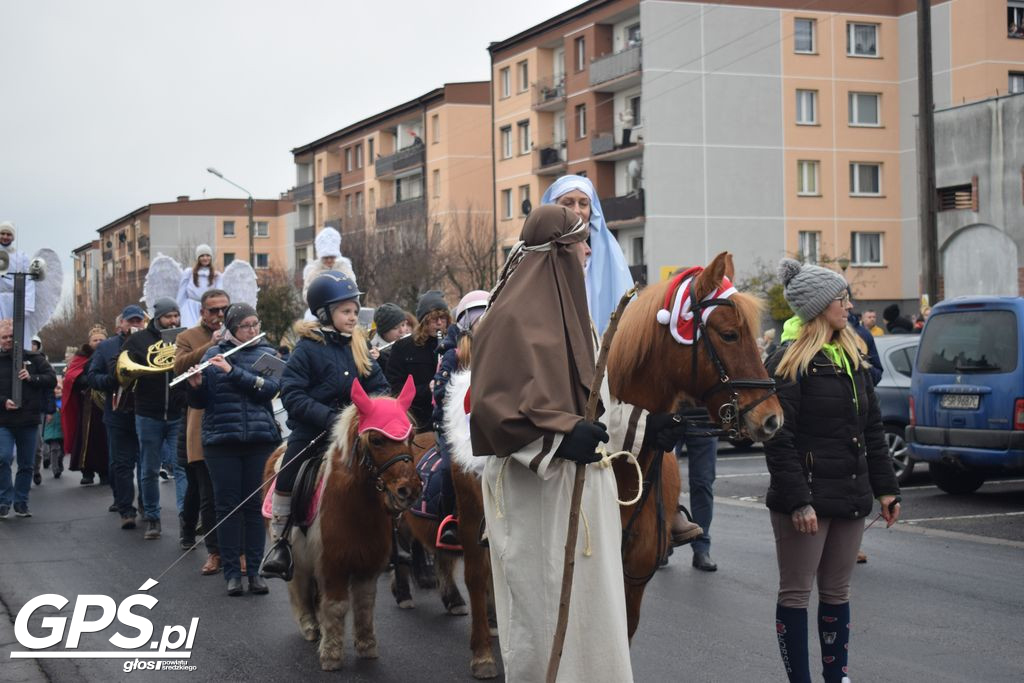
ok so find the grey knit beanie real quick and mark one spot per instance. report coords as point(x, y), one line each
point(809, 289)
point(236, 314)
point(387, 317)
point(430, 301)
point(164, 306)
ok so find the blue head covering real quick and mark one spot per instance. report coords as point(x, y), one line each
point(607, 274)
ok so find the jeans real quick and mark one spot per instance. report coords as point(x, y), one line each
point(124, 449)
point(23, 441)
point(236, 470)
point(701, 454)
point(157, 441)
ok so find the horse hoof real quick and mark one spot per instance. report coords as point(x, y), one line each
point(367, 650)
point(458, 610)
point(485, 668)
point(330, 664)
point(310, 633)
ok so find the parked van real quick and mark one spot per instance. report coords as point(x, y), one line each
point(967, 392)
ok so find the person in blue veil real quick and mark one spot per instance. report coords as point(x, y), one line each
point(606, 272)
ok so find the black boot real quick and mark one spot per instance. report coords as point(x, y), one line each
point(277, 563)
point(186, 536)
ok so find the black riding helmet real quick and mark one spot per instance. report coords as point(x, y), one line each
point(329, 288)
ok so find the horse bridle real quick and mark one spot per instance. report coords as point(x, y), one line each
point(377, 471)
point(730, 414)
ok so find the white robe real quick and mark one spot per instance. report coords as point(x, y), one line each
point(527, 512)
point(190, 295)
point(18, 263)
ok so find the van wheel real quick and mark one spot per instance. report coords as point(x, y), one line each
point(954, 480)
point(899, 452)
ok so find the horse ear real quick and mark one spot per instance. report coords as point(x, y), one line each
point(360, 399)
point(408, 393)
point(711, 277)
point(730, 269)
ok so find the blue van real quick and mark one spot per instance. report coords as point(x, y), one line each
point(967, 392)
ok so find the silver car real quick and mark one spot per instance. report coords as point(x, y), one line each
point(897, 352)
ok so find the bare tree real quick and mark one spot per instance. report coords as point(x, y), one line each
point(69, 328)
point(469, 250)
point(279, 303)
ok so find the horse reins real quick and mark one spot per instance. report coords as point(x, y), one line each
point(377, 471)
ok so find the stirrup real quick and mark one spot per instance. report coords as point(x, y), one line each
point(277, 563)
point(446, 526)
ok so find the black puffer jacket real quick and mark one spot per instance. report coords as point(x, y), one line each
point(421, 362)
point(154, 397)
point(831, 451)
point(36, 391)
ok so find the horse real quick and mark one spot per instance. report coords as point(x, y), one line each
point(648, 369)
point(368, 479)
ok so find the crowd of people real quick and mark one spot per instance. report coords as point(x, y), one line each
point(121, 417)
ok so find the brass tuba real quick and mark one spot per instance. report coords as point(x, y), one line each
point(159, 358)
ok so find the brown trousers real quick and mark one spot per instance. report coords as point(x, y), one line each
point(828, 555)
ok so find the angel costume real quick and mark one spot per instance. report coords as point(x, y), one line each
point(192, 287)
point(533, 363)
point(40, 301)
point(328, 245)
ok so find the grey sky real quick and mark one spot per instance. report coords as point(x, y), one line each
point(109, 105)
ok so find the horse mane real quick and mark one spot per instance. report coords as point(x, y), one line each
point(343, 437)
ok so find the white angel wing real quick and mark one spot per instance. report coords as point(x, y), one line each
point(239, 281)
point(456, 424)
point(162, 281)
point(47, 290)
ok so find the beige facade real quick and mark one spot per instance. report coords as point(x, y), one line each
point(87, 265)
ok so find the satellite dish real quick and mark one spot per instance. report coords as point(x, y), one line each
point(527, 207)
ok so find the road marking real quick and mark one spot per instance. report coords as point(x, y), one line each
point(742, 474)
point(958, 536)
point(987, 483)
point(945, 519)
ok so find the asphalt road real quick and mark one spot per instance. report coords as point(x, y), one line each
point(939, 599)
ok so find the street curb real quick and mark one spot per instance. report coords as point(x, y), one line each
point(15, 670)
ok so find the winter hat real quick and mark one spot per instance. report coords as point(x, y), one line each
point(430, 301)
point(328, 243)
point(204, 250)
point(164, 306)
point(809, 289)
point(387, 317)
point(475, 299)
point(236, 314)
point(891, 312)
point(7, 226)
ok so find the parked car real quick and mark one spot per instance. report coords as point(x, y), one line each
point(897, 353)
point(967, 392)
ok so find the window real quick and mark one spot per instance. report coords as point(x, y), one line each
point(806, 107)
point(229, 256)
point(506, 204)
point(862, 40)
point(637, 251)
point(348, 158)
point(506, 88)
point(359, 203)
point(524, 197)
point(348, 205)
point(970, 342)
point(1015, 19)
point(632, 35)
point(581, 121)
point(359, 155)
point(229, 228)
point(901, 361)
point(581, 53)
point(866, 248)
point(373, 199)
point(1016, 82)
point(865, 179)
point(409, 188)
point(804, 31)
point(506, 142)
point(262, 229)
point(864, 109)
point(524, 136)
point(809, 246)
point(262, 260)
point(436, 178)
point(369, 149)
point(523, 72)
point(807, 178)
point(435, 128)
point(634, 107)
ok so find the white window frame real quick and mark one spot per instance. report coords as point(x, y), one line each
point(1014, 15)
point(523, 130)
point(359, 155)
point(224, 229)
point(523, 75)
point(580, 48)
point(581, 121)
point(855, 189)
point(348, 205)
point(807, 171)
point(813, 23)
point(1015, 77)
point(803, 97)
point(851, 40)
point(506, 142)
point(436, 182)
point(809, 246)
point(855, 249)
point(359, 203)
point(506, 204)
point(854, 109)
point(262, 228)
point(348, 159)
point(504, 79)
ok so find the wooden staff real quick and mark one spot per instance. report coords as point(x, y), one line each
point(575, 504)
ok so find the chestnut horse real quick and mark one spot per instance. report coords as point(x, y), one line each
point(370, 479)
point(650, 370)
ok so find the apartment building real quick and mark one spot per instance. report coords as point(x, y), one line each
point(88, 262)
point(762, 127)
point(175, 229)
point(424, 161)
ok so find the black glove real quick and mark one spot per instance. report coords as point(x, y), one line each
point(664, 430)
point(579, 444)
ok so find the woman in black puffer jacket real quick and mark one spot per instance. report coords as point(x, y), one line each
point(827, 463)
point(239, 434)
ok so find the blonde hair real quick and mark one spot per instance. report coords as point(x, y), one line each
point(97, 329)
point(813, 335)
point(360, 345)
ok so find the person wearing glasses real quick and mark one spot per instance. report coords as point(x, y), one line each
point(828, 463)
point(197, 501)
point(239, 433)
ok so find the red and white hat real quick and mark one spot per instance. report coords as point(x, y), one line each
point(677, 305)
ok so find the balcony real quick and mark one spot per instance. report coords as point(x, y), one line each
point(332, 183)
point(406, 211)
point(549, 94)
point(304, 194)
point(550, 160)
point(409, 157)
point(617, 71)
point(622, 209)
point(304, 235)
point(606, 147)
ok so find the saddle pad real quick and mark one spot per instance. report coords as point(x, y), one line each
point(429, 469)
point(314, 506)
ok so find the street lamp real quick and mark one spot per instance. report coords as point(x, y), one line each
point(249, 205)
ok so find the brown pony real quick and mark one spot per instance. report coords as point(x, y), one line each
point(370, 479)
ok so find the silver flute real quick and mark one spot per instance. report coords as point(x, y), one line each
point(390, 344)
point(202, 366)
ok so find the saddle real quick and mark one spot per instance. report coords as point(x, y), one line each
point(306, 495)
point(429, 468)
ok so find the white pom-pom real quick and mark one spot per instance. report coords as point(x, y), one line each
point(664, 316)
point(788, 269)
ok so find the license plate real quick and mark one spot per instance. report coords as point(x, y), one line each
point(959, 401)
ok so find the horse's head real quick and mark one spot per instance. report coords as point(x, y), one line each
point(695, 337)
point(382, 435)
